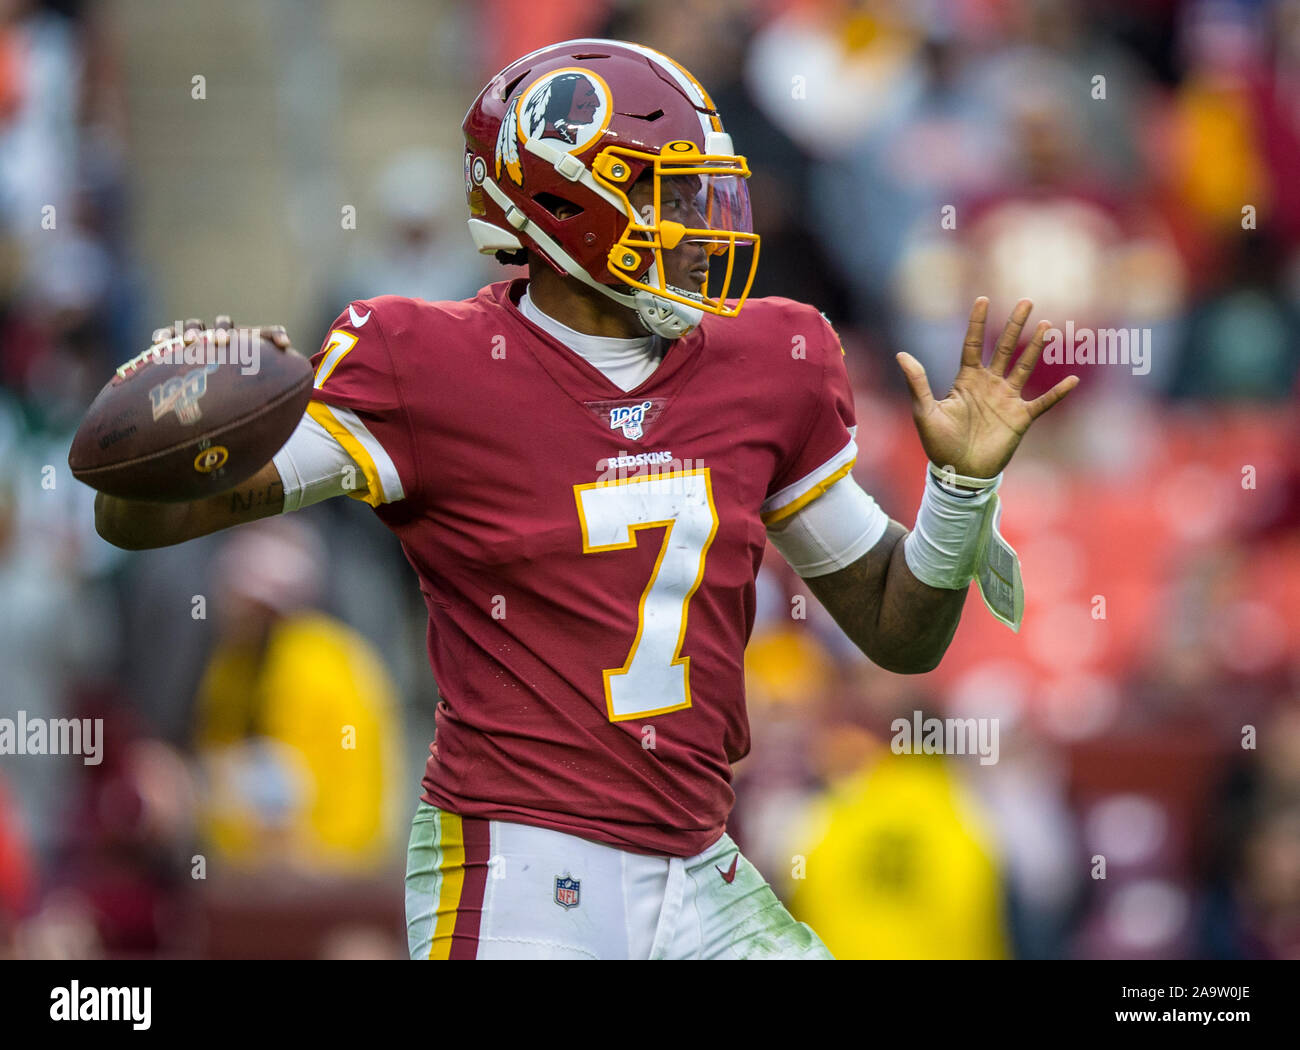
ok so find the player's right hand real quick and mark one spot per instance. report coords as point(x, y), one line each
point(194, 328)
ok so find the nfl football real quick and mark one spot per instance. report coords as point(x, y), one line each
point(180, 422)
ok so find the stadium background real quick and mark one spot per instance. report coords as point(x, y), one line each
point(1157, 515)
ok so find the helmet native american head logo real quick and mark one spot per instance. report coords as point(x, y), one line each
point(569, 106)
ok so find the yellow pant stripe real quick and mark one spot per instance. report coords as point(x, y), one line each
point(451, 863)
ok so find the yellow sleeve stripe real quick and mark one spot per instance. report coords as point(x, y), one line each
point(781, 513)
point(374, 491)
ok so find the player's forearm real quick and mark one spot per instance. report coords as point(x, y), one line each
point(142, 525)
point(902, 624)
point(915, 622)
point(136, 525)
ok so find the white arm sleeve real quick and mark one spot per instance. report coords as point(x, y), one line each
point(313, 466)
point(831, 532)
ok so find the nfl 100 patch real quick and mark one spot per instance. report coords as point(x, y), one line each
point(631, 417)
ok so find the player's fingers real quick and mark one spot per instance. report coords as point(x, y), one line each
point(163, 335)
point(277, 335)
point(917, 383)
point(972, 350)
point(223, 323)
point(191, 329)
point(1024, 368)
point(1041, 404)
point(1010, 336)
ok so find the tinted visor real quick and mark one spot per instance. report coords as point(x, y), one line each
point(723, 200)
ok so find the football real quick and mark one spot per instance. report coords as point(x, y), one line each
point(180, 422)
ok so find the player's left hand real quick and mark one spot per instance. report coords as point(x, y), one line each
point(976, 428)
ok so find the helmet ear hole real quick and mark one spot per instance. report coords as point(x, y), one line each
point(557, 206)
point(509, 89)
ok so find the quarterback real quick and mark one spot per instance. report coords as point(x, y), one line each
point(583, 468)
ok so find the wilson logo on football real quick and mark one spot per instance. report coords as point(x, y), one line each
point(571, 106)
point(180, 394)
point(211, 459)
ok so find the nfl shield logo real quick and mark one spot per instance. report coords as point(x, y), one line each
point(566, 892)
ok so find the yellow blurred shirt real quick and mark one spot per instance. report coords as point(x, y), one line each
point(901, 865)
point(321, 695)
point(1219, 164)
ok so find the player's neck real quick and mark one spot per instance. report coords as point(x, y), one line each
point(578, 307)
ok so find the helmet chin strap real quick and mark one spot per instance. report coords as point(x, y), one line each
point(661, 317)
point(664, 317)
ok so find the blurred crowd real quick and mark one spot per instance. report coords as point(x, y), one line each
point(1124, 165)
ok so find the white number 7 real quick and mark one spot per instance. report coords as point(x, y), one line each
point(655, 678)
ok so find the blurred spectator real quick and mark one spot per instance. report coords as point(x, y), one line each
point(421, 251)
point(1251, 908)
point(17, 872)
point(936, 142)
point(123, 884)
point(38, 122)
point(823, 71)
point(53, 632)
point(1243, 340)
point(1026, 796)
point(899, 863)
point(297, 727)
point(1052, 232)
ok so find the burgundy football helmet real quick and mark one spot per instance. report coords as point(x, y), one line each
point(578, 124)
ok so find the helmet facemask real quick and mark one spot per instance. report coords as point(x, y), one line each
point(684, 197)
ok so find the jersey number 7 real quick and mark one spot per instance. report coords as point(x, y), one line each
point(655, 678)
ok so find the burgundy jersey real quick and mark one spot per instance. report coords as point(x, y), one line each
point(587, 555)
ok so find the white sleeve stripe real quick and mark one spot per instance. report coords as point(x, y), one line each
point(384, 466)
point(312, 466)
point(290, 479)
point(831, 532)
point(810, 481)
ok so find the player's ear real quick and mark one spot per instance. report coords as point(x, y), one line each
point(557, 206)
point(642, 191)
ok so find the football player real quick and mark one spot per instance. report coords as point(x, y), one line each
point(583, 469)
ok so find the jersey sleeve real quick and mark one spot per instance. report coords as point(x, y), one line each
point(831, 532)
point(826, 451)
point(357, 401)
point(313, 466)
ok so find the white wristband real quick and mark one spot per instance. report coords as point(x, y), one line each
point(943, 549)
point(956, 539)
point(960, 485)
